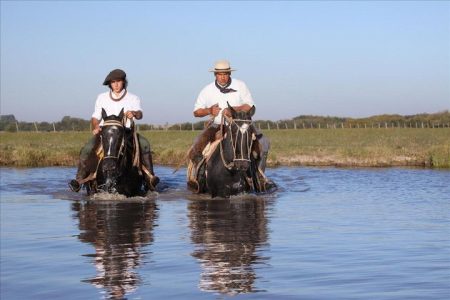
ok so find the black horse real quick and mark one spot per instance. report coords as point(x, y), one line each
point(117, 171)
point(231, 169)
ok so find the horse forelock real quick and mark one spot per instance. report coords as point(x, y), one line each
point(112, 136)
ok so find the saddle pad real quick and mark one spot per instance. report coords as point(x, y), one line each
point(99, 151)
point(209, 149)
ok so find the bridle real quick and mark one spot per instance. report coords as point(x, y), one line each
point(107, 152)
point(244, 129)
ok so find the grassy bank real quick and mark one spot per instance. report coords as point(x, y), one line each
point(313, 147)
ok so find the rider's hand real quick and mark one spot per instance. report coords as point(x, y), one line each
point(214, 110)
point(129, 114)
point(96, 130)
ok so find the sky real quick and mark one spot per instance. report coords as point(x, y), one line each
point(328, 58)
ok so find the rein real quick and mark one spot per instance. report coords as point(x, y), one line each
point(244, 136)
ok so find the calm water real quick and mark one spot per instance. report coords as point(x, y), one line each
point(326, 234)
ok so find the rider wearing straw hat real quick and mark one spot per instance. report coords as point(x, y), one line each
point(113, 101)
point(212, 101)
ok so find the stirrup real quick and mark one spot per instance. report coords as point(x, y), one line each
point(269, 186)
point(151, 182)
point(74, 186)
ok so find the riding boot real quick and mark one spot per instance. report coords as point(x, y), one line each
point(86, 164)
point(195, 173)
point(151, 180)
point(266, 185)
point(82, 173)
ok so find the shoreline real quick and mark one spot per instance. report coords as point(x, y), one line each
point(346, 148)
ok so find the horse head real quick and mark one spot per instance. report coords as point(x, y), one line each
point(242, 136)
point(113, 142)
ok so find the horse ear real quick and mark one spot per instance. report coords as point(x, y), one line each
point(104, 115)
point(233, 112)
point(121, 114)
point(252, 111)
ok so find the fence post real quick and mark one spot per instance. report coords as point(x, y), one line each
point(17, 127)
point(268, 126)
point(54, 128)
point(295, 125)
point(35, 126)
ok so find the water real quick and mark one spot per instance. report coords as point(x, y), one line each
point(326, 234)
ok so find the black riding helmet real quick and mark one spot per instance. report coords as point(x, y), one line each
point(116, 74)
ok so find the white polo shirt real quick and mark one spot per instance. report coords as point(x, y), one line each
point(211, 95)
point(129, 102)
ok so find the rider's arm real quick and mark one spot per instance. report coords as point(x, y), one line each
point(243, 107)
point(201, 112)
point(213, 110)
point(95, 126)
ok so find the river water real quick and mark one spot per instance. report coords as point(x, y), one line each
point(327, 233)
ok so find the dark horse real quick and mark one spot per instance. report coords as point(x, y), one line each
point(117, 172)
point(231, 169)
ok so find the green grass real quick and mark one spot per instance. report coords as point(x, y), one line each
point(313, 147)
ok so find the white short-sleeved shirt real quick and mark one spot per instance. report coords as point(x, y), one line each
point(129, 102)
point(211, 95)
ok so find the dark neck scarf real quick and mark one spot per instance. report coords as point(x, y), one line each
point(225, 89)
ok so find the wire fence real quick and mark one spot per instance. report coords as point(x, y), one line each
point(55, 127)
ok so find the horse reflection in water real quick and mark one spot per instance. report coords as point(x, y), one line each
point(228, 235)
point(118, 232)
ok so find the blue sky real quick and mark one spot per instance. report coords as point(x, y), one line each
point(336, 58)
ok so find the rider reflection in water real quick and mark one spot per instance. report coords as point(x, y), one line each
point(113, 102)
point(119, 232)
point(229, 237)
point(212, 101)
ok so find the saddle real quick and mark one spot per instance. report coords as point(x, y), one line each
point(196, 172)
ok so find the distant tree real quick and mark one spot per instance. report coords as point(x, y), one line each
point(7, 123)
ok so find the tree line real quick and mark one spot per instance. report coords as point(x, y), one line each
point(434, 120)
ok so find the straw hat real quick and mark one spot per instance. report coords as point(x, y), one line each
point(222, 66)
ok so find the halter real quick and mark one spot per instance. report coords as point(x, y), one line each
point(244, 136)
